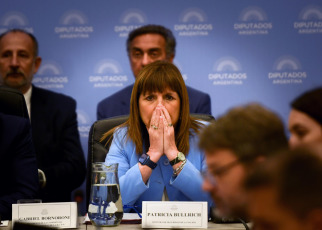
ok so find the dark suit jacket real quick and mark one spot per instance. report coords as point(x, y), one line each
point(119, 103)
point(18, 165)
point(57, 144)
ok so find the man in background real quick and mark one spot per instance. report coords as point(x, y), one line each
point(145, 45)
point(60, 157)
point(18, 165)
point(237, 141)
point(285, 193)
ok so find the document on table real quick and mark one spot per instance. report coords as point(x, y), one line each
point(4, 223)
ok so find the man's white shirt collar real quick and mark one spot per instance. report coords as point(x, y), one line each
point(27, 96)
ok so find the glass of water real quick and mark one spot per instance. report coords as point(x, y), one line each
point(105, 206)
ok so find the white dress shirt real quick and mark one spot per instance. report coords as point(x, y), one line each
point(27, 96)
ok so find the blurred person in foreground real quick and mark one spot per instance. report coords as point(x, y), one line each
point(305, 119)
point(60, 157)
point(236, 142)
point(145, 45)
point(286, 192)
point(18, 164)
point(157, 147)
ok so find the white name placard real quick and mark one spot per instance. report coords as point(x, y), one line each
point(170, 214)
point(59, 215)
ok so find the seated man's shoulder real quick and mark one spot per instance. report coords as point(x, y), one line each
point(53, 96)
point(13, 121)
point(200, 102)
point(117, 96)
point(11, 127)
point(196, 93)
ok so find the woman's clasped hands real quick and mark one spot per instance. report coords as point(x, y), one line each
point(161, 134)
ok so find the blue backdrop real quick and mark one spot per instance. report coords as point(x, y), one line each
point(237, 51)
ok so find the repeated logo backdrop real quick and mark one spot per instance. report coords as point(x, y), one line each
point(237, 51)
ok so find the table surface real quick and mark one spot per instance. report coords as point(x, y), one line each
point(139, 226)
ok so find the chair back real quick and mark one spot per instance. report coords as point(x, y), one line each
point(12, 102)
point(97, 150)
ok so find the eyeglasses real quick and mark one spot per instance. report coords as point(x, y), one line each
point(210, 175)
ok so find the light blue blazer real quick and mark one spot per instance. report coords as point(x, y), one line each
point(187, 186)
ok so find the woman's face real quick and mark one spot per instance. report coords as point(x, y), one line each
point(303, 129)
point(168, 99)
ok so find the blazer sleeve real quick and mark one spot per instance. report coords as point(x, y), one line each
point(69, 172)
point(100, 113)
point(130, 179)
point(24, 174)
point(204, 105)
point(199, 102)
point(189, 182)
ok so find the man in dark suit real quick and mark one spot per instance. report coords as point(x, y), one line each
point(18, 165)
point(145, 45)
point(53, 116)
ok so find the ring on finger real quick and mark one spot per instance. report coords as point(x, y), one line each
point(170, 124)
point(154, 127)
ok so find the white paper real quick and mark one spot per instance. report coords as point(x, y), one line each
point(4, 223)
point(60, 215)
point(160, 214)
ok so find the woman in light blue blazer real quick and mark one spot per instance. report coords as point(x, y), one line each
point(157, 147)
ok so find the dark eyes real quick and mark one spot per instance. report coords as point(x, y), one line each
point(167, 97)
point(137, 54)
point(24, 55)
point(152, 53)
point(6, 54)
point(149, 98)
point(9, 54)
point(300, 133)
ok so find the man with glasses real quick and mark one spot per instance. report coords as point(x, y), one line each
point(233, 145)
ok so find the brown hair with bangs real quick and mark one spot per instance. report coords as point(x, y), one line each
point(157, 77)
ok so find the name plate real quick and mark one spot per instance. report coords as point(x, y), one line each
point(170, 214)
point(58, 215)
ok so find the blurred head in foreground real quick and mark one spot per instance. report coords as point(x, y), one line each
point(286, 193)
point(305, 119)
point(233, 144)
